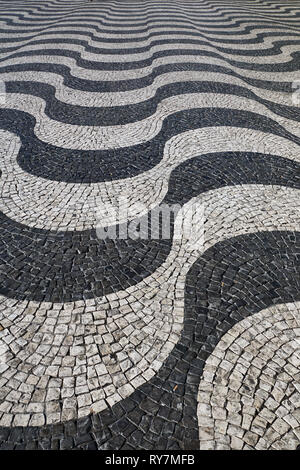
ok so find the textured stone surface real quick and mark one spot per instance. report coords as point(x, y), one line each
point(185, 341)
point(254, 373)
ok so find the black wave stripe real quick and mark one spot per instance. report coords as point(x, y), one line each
point(121, 115)
point(106, 13)
point(290, 66)
point(137, 27)
point(202, 18)
point(223, 31)
point(259, 39)
point(132, 84)
point(141, 6)
point(33, 8)
point(78, 166)
point(48, 15)
point(274, 50)
point(119, 4)
point(228, 283)
point(172, 13)
point(45, 265)
point(179, 27)
point(17, 6)
point(54, 3)
point(127, 3)
point(141, 9)
point(46, 8)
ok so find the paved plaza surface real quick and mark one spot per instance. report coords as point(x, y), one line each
point(120, 117)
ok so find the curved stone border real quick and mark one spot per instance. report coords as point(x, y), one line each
point(249, 391)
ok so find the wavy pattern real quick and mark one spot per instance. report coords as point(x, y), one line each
point(164, 328)
point(241, 39)
point(127, 114)
point(180, 14)
point(95, 137)
point(92, 52)
point(111, 115)
point(166, 82)
point(97, 45)
point(36, 202)
point(86, 70)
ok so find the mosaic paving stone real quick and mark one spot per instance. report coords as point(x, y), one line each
point(244, 406)
point(111, 112)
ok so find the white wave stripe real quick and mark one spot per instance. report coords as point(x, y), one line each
point(270, 14)
point(289, 22)
point(71, 136)
point(202, 18)
point(266, 43)
point(141, 25)
point(136, 4)
point(135, 17)
point(139, 9)
point(142, 16)
point(257, 4)
point(35, 15)
point(119, 17)
point(41, 3)
point(77, 97)
point(145, 326)
point(53, 205)
point(156, 28)
point(118, 7)
point(255, 369)
point(283, 8)
point(141, 72)
point(283, 57)
point(35, 9)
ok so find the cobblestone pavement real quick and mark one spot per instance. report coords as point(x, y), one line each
point(149, 342)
